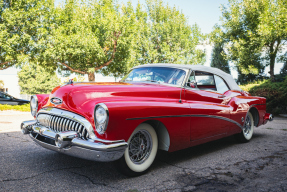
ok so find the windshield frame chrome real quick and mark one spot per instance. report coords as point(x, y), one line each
point(159, 83)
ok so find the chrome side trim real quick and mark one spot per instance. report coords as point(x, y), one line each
point(219, 117)
point(156, 117)
point(209, 116)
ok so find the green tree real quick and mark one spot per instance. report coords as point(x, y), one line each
point(87, 36)
point(33, 79)
point(103, 36)
point(218, 59)
point(255, 32)
point(20, 23)
point(166, 36)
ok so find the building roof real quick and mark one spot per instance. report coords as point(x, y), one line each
point(227, 77)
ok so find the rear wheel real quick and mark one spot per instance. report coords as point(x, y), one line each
point(140, 153)
point(247, 131)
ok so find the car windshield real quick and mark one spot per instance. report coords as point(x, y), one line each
point(5, 96)
point(157, 74)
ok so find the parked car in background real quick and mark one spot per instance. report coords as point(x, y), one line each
point(6, 99)
point(155, 107)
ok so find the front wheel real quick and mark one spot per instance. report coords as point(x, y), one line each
point(247, 131)
point(140, 153)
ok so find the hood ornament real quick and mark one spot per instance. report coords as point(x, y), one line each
point(56, 101)
point(70, 81)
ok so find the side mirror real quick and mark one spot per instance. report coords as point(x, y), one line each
point(192, 84)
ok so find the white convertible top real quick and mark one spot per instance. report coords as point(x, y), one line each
point(228, 78)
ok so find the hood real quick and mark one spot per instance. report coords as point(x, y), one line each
point(80, 97)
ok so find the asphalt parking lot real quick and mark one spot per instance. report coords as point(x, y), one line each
point(222, 165)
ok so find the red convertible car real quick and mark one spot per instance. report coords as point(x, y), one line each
point(155, 106)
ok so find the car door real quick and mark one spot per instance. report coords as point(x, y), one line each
point(208, 112)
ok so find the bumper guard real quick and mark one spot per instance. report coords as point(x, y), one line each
point(68, 143)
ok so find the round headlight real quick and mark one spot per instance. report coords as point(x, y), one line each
point(34, 105)
point(101, 118)
point(101, 115)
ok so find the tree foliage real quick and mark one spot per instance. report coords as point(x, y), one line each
point(255, 32)
point(166, 36)
point(88, 36)
point(102, 35)
point(218, 59)
point(34, 79)
point(20, 22)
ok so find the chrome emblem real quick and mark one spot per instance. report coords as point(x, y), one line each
point(56, 100)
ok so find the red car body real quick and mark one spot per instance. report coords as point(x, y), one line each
point(181, 117)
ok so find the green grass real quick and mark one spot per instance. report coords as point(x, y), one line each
point(25, 107)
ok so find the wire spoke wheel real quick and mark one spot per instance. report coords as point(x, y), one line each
point(140, 146)
point(247, 126)
point(141, 151)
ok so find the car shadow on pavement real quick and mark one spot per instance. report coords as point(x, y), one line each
point(200, 150)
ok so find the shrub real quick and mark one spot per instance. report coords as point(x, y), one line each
point(274, 92)
point(25, 107)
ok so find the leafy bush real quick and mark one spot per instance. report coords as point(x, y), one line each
point(274, 92)
point(25, 107)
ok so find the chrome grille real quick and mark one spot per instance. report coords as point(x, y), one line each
point(59, 124)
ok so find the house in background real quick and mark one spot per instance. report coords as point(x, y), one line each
point(10, 78)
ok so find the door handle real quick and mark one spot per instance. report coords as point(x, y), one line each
point(221, 96)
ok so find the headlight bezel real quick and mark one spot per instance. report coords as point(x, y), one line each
point(34, 111)
point(101, 127)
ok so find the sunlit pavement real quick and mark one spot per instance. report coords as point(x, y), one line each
point(222, 165)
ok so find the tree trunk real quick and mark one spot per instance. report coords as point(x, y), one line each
point(272, 63)
point(91, 76)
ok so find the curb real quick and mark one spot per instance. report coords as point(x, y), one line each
point(283, 115)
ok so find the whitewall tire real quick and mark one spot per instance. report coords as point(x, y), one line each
point(141, 151)
point(248, 129)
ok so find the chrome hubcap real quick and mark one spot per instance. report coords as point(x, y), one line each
point(140, 147)
point(247, 126)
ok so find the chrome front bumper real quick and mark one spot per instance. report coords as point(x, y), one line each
point(68, 143)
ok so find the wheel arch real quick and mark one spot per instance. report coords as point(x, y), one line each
point(255, 115)
point(162, 134)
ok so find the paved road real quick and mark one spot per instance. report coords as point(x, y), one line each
point(223, 165)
